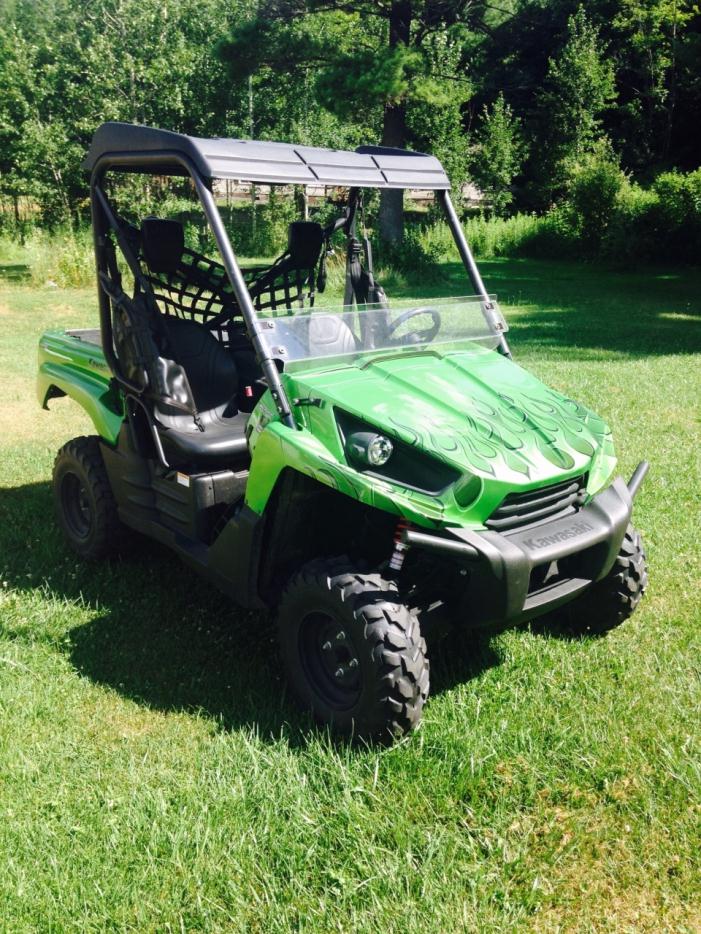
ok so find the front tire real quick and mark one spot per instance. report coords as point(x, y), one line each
point(353, 651)
point(610, 601)
point(85, 506)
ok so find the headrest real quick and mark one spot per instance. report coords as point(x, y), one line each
point(304, 240)
point(162, 244)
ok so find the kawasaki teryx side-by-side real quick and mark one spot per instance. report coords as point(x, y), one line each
point(356, 468)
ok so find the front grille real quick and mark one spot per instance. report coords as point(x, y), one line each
point(548, 502)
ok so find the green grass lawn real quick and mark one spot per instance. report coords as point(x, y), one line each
point(154, 775)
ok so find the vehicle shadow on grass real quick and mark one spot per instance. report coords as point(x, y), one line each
point(158, 634)
point(641, 312)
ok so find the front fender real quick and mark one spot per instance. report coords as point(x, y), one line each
point(278, 447)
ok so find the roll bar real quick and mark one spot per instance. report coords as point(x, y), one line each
point(233, 270)
point(470, 265)
point(102, 222)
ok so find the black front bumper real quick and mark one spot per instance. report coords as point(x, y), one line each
point(514, 576)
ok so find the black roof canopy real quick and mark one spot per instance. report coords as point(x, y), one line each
point(130, 146)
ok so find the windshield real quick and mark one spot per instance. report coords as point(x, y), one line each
point(433, 324)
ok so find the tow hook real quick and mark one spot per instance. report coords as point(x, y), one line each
point(636, 480)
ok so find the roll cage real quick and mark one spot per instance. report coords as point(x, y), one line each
point(136, 149)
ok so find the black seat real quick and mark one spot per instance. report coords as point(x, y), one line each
point(218, 436)
point(213, 379)
point(219, 446)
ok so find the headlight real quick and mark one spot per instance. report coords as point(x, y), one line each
point(369, 451)
point(369, 448)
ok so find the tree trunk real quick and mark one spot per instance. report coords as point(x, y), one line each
point(19, 226)
point(394, 130)
point(392, 199)
point(302, 201)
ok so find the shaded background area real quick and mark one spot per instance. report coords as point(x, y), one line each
point(590, 311)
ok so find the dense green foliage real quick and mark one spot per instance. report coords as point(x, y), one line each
point(578, 86)
point(539, 101)
point(155, 776)
point(498, 154)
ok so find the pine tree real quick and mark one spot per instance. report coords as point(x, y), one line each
point(367, 57)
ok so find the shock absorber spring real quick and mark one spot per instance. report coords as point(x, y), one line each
point(396, 562)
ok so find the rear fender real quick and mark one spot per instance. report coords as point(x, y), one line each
point(83, 378)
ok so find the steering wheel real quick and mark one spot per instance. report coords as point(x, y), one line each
point(415, 337)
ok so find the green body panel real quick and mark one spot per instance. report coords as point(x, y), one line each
point(278, 447)
point(78, 369)
point(473, 409)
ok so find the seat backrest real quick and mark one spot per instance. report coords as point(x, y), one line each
point(329, 335)
point(142, 345)
point(162, 244)
point(304, 242)
point(210, 368)
point(186, 284)
point(191, 287)
point(290, 279)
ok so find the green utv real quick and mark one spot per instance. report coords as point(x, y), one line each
point(360, 469)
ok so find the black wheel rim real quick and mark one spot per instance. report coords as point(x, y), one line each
point(330, 660)
point(76, 505)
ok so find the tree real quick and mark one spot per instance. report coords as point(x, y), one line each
point(653, 36)
point(16, 86)
point(366, 57)
point(67, 71)
point(499, 155)
point(579, 86)
point(338, 73)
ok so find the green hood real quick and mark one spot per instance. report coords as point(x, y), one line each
point(476, 410)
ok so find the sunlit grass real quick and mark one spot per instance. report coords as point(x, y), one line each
point(154, 775)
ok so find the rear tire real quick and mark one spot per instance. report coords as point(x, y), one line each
point(353, 651)
point(610, 601)
point(85, 507)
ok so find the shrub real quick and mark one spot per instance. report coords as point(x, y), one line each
point(260, 231)
point(511, 236)
point(64, 258)
point(679, 196)
point(660, 223)
point(633, 232)
point(437, 242)
point(678, 214)
point(418, 256)
point(74, 263)
point(594, 185)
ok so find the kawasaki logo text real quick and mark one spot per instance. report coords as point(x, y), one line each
point(572, 532)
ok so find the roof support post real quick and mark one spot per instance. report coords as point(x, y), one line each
point(349, 229)
point(243, 298)
point(470, 265)
point(100, 230)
